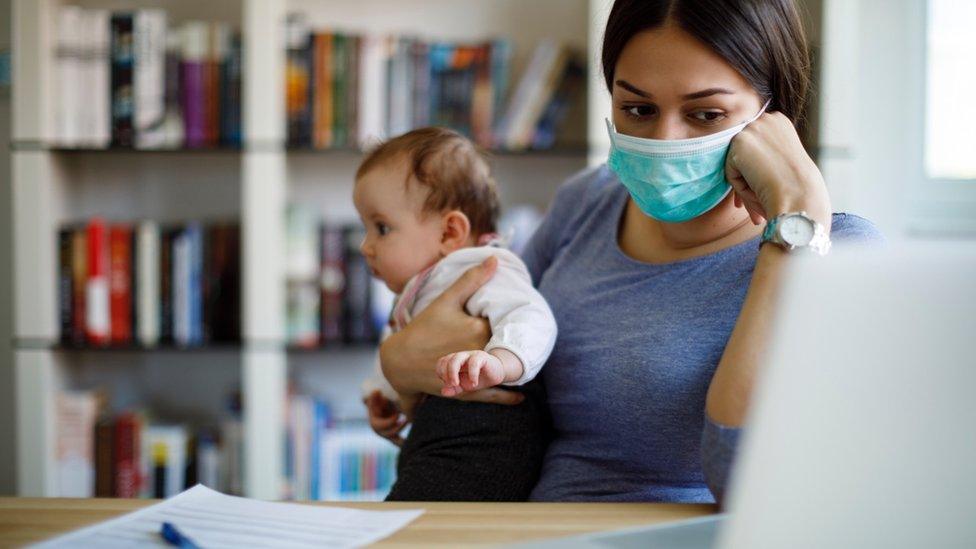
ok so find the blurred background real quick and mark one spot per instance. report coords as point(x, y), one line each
point(181, 296)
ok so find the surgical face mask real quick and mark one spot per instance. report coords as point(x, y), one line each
point(674, 180)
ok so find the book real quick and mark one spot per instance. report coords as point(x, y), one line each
point(166, 284)
point(148, 78)
point(122, 80)
point(332, 282)
point(66, 293)
point(97, 78)
point(147, 286)
point(322, 107)
point(97, 319)
point(557, 110)
point(230, 93)
point(222, 288)
point(126, 453)
point(298, 77)
point(173, 122)
point(120, 278)
point(358, 324)
point(168, 445)
point(193, 79)
point(104, 458)
point(371, 112)
point(69, 64)
point(76, 413)
point(79, 285)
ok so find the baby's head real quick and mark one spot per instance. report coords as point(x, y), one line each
point(421, 196)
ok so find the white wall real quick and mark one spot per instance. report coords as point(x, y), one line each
point(872, 124)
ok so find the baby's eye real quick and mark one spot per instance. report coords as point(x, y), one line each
point(708, 117)
point(382, 229)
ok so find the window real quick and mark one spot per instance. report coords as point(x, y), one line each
point(950, 110)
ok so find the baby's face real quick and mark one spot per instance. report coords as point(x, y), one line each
point(400, 240)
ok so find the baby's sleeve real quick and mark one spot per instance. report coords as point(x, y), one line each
point(521, 320)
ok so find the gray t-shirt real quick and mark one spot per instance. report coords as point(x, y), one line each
point(637, 346)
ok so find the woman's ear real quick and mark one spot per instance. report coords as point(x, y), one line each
point(455, 231)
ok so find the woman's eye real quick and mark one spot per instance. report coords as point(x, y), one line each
point(708, 117)
point(382, 229)
point(639, 111)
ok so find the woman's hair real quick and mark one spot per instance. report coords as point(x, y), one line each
point(451, 167)
point(762, 39)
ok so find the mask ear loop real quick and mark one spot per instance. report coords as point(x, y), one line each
point(610, 132)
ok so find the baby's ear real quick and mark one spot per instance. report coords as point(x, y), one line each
point(455, 231)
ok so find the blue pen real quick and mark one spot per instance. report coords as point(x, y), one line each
point(175, 537)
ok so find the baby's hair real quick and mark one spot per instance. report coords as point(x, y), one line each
point(451, 167)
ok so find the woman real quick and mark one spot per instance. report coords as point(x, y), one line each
point(662, 281)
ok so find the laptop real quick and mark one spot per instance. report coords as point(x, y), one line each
point(863, 431)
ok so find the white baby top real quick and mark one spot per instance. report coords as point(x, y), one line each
point(520, 318)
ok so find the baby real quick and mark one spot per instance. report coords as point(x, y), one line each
point(430, 207)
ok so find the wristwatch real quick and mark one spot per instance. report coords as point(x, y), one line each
point(796, 230)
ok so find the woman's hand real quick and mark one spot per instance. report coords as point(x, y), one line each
point(771, 173)
point(409, 357)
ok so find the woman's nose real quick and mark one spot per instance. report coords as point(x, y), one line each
point(668, 128)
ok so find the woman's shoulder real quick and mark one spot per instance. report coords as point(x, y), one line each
point(586, 186)
point(851, 228)
point(585, 194)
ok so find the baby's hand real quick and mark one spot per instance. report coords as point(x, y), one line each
point(469, 371)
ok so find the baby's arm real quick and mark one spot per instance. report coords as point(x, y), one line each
point(523, 327)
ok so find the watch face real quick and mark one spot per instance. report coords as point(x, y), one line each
point(796, 230)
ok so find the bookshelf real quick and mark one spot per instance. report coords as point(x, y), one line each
point(253, 184)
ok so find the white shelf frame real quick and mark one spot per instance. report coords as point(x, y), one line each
point(35, 189)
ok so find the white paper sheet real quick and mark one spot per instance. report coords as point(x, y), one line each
point(212, 520)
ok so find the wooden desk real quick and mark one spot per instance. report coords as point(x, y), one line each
point(26, 520)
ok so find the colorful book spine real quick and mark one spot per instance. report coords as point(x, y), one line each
point(75, 424)
point(322, 122)
point(147, 285)
point(298, 82)
point(332, 278)
point(97, 318)
point(149, 72)
point(66, 291)
point(127, 442)
point(193, 77)
point(358, 325)
point(122, 86)
point(120, 289)
point(104, 458)
point(230, 93)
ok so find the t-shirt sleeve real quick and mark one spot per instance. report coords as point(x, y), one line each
point(556, 225)
point(850, 229)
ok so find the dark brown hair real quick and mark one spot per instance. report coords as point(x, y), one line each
point(762, 39)
point(451, 167)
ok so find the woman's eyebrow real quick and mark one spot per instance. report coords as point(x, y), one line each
point(633, 89)
point(707, 93)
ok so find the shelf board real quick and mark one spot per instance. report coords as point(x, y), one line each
point(333, 347)
point(559, 152)
point(217, 347)
point(34, 146)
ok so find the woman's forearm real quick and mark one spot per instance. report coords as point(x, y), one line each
point(732, 385)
